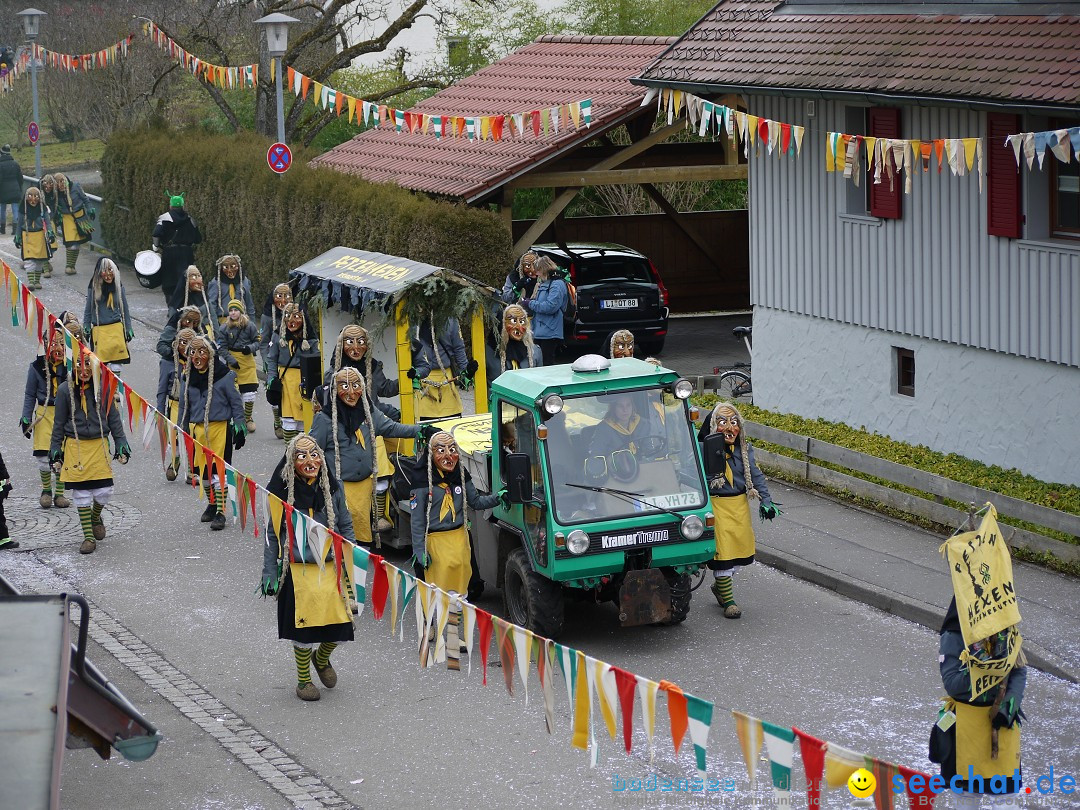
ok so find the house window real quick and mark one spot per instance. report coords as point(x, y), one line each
point(857, 201)
point(1064, 197)
point(905, 371)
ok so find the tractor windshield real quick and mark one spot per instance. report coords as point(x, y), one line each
point(636, 446)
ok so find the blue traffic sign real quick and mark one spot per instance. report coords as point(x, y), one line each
point(32, 132)
point(279, 158)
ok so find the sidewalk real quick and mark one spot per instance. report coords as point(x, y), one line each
point(882, 562)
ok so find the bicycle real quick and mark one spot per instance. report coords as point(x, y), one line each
point(734, 383)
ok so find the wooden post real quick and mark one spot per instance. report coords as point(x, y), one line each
point(404, 363)
point(479, 351)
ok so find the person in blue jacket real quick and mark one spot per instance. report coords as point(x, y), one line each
point(546, 305)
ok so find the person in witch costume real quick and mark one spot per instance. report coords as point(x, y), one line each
point(731, 494)
point(296, 360)
point(229, 285)
point(79, 449)
point(188, 317)
point(433, 381)
point(440, 537)
point(970, 737)
point(175, 236)
point(515, 348)
point(238, 340)
point(280, 297)
point(72, 216)
point(6, 543)
point(347, 432)
point(43, 380)
point(353, 350)
point(107, 318)
point(35, 237)
point(192, 293)
point(312, 606)
point(170, 379)
point(211, 409)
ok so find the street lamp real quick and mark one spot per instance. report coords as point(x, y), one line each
point(31, 22)
point(276, 27)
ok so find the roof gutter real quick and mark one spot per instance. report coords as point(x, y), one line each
point(706, 88)
point(570, 147)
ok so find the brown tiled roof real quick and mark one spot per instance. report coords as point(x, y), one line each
point(1004, 58)
point(553, 70)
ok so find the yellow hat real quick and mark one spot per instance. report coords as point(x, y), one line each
point(237, 304)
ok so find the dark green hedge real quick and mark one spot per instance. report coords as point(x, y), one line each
point(276, 223)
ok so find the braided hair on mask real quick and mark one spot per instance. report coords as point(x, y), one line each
point(288, 472)
point(200, 340)
point(751, 490)
point(273, 306)
point(187, 292)
point(291, 309)
point(84, 352)
point(439, 438)
point(240, 274)
point(625, 335)
point(185, 333)
point(355, 330)
point(348, 373)
point(518, 311)
point(96, 281)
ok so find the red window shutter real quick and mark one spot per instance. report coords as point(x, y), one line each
point(885, 202)
point(1003, 211)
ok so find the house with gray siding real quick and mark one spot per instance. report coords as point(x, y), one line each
point(948, 316)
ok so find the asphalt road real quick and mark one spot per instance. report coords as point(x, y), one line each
point(180, 631)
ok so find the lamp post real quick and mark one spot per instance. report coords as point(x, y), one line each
point(31, 22)
point(276, 27)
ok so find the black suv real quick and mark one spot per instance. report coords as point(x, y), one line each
point(617, 288)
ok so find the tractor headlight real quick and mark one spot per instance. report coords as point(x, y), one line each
point(692, 527)
point(683, 388)
point(577, 542)
point(553, 404)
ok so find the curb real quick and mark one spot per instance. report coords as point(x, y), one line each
point(913, 610)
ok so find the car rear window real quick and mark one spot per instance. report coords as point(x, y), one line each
point(612, 268)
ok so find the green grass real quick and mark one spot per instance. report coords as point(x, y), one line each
point(56, 156)
point(1010, 482)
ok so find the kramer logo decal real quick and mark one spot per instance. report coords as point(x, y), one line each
point(634, 539)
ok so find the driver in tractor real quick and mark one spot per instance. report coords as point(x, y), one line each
point(627, 435)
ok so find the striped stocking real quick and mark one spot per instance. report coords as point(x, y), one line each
point(86, 521)
point(95, 513)
point(71, 255)
point(249, 409)
point(59, 487)
point(303, 665)
point(46, 482)
point(322, 655)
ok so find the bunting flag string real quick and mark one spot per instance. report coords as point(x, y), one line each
point(510, 125)
point(73, 62)
point(1064, 144)
point(372, 580)
point(227, 77)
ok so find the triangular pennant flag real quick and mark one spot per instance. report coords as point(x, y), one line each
point(812, 753)
point(545, 668)
point(484, 626)
point(780, 746)
point(586, 112)
point(883, 773)
point(504, 643)
point(582, 704)
point(379, 586)
point(840, 764)
point(969, 151)
point(408, 590)
point(523, 642)
point(468, 625)
point(607, 693)
point(699, 713)
point(676, 704)
point(393, 591)
point(647, 694)
point(924, 799)
point(626, 686)
point(568, 666)
point(748, 730)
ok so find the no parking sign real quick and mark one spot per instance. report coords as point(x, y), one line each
point(279, 158)
point(32, 132)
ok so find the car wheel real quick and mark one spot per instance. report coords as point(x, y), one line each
point(531, 600)
point(680, 597)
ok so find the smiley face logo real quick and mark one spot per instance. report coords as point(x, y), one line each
point(862, 783)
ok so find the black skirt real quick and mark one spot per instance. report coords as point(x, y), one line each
point(286, 620)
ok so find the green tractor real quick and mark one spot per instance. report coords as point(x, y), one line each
point(607, 494)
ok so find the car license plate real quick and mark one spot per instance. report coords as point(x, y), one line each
point(618, 303)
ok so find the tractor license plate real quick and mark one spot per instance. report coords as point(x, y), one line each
point(644, 598)
point(618, 303)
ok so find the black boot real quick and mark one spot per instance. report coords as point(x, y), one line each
point(208, 513)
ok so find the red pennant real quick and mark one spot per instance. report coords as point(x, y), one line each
point(535, 115)
point(108, 387)
point(483, 625)
point(785, 138)
point(251, 500)
point(288, 510)
point(189, 448)
point(763, 130)
point(380, 588)
point(924, 799)
point(626, 684)
point(208, 470)
point(504, 642)
point(812, 751)
point(40, 307)
point(497, 124)
point(408, 122)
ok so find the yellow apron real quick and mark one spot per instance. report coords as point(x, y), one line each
point(293, 403)
point(433, 402)
point(44, 428)
point(109, 343)
point(245, 372)
point(85, 460)
point(383, 467)
point(215, 441)
point(450, 567)
point(973, 744)
point(315, 593)
point(33, 245)
point(734, 531)
point(358, 497)
point(70, 232)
